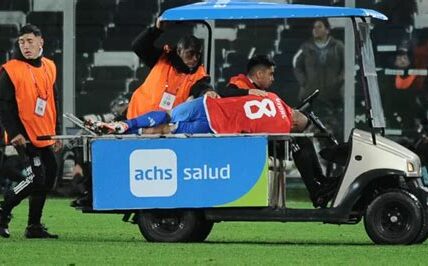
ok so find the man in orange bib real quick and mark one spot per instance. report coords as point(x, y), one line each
point(176, 73)
point(257, 80)
point(27, 110)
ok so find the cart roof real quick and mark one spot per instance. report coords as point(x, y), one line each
point(233, 10)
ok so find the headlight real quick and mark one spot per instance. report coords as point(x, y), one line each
point(410, 167)
point(414, 169)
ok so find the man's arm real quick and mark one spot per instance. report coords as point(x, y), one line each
point(300, 121)
point(143, 46)
point(9, 107)
point(232, 90)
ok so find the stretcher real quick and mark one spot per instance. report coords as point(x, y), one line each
point(170, 171)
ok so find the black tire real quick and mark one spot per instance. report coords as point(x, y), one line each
point(423, 234)
point(168, 225)
point(394, 217)
point(202, 230)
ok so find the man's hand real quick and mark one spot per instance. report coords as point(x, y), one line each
point(160, 24)
point(212, 94)
point(111, 128)
point(77, 170)
point(120, 127)
point(19, 140)
point(57, 146)
point(257, 92)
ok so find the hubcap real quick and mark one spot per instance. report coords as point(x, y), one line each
point(395, 219)
point(167, 224)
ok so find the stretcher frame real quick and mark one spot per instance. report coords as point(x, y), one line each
point(277, 166)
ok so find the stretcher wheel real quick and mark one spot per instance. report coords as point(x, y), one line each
point(202, 231)
point(170, 226)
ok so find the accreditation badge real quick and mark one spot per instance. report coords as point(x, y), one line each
point(167, 101)
point(40, 107)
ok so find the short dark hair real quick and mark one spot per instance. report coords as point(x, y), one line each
point(323, 21)
point(258, 61)
point(190, 42)
point(30, 28)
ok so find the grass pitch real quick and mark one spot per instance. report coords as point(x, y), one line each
point(105, 239)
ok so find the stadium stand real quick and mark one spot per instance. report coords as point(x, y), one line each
point(94, 96)
point(142, 72)
point(15, 5)
point(105, 72)
point(8, 30)
point(133, 85)
point(51, 25)
point(120, 38)
point(17, 18)
point(117, 58)
point(7, 34)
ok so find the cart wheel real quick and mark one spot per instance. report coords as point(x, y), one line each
point(394, 217)
point(168, 226)
point(423, 234)
point(202, 230)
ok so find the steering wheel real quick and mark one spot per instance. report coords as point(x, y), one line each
point(304, 108)
point(308, 100)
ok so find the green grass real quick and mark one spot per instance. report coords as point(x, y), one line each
point(105, 239)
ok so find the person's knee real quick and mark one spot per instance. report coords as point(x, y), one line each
point(303, 149)
point(304, 142)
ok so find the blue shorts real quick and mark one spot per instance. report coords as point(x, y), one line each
point(190, 117)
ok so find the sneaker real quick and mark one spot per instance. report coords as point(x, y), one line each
point(323, 200)
point(325, 193)
point(82, 202)
point(4, 224)
point(38, 231)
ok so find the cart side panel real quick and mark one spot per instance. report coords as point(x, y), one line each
point(179, 172)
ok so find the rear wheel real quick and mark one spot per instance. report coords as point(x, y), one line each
point(202, 230)
point(168, 226)
point(394, 217)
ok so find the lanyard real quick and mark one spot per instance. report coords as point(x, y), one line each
point(39, 93)
point(174, 90)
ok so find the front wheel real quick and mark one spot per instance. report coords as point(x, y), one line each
point(394, 217)
point(170, 226)
point(423, 234)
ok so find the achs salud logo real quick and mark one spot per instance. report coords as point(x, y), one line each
point(153, 173)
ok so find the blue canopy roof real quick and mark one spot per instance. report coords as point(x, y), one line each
point(223, 9)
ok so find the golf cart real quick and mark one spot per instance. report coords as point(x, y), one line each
point(178, 190)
